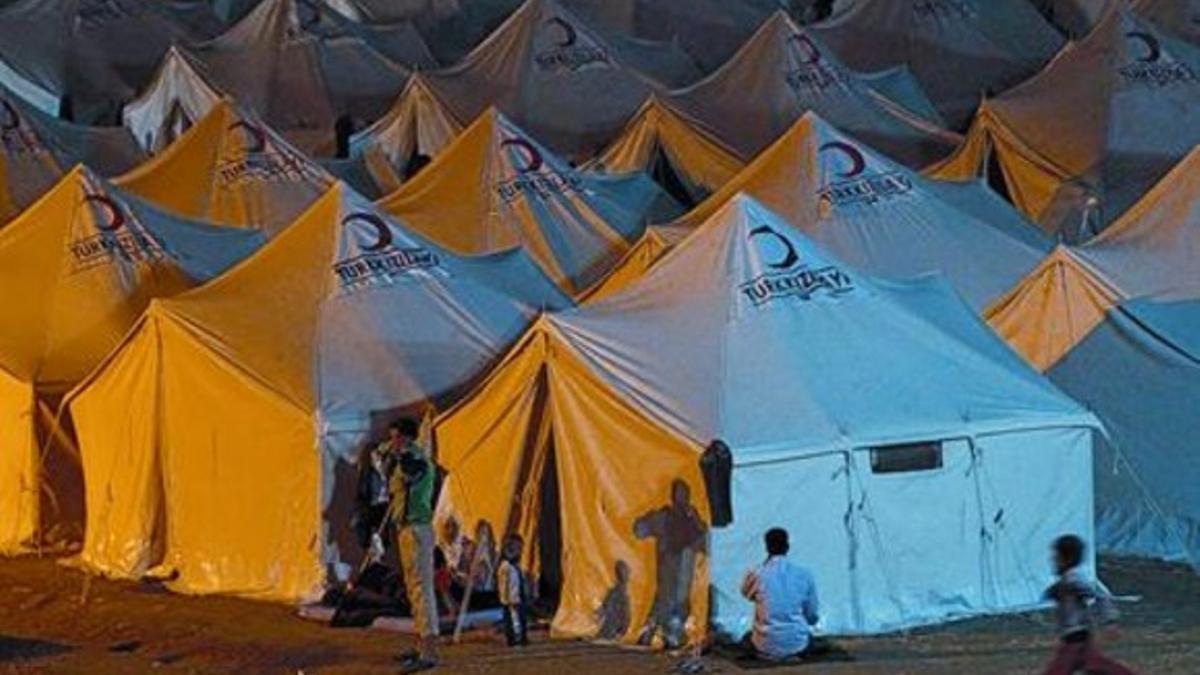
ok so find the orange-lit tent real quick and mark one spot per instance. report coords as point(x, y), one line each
point(1083, 140)
point(76, 269)
point(688, 162)
point(230, 169)
point(417, 126)
point(496, 188)
point(213, 439)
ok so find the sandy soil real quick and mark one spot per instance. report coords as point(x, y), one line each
point(53, 619)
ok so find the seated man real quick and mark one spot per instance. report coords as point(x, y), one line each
point(785, 602)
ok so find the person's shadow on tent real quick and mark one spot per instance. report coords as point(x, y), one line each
point(680, 536)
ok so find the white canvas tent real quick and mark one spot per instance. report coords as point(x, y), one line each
point(1083, 140)
point(343, 319)
point(299, 83)
point(784, 71)
point(1114, 323)
point(818, 378)
point(881, 217)
point(960, 50)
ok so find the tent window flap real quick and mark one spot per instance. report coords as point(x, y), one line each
point(906, 457)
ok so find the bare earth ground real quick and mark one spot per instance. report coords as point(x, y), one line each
point(49, 624)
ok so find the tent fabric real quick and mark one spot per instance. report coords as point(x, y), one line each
point(496, 189)
point(1083, 140)
point(662, 142)
point(960, 50)
point(884, 218)
point(300, 84)
point(551, 73)
point(625, 393)
point(37, 149)
point(399, 41)
point(1113, 323)
point(417, 125)
point(451, 28)
point(784, 71)
point(369, 174)
point(1150, 252)
point(231, 169)
point(711, 31)
point(79, 265)
point(1142, 382)
point(1073, 18)
point(344, 316)
point(98, 54)
point(652, 246)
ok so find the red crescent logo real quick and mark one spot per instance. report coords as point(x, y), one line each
point(383, 233)
point(114, 219)
point(1153, 49)
point(858, 163)
point(569, 35)
point(809, 52)
point(255, 137)
point(533, 158)
point(12, 121)
point(789, 259)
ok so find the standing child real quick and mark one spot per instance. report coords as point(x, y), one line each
point(513, 591)
point(1079, 603)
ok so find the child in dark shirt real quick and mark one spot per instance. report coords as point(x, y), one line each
point(1079, 603)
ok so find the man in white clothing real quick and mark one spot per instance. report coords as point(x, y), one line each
point(785, 602)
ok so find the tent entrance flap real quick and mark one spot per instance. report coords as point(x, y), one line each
point(62, 509)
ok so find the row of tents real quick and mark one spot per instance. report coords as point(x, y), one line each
point(208, 339)
point(1073, 135)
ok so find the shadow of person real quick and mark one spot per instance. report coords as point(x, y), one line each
point(680, 536)
point(613, 616)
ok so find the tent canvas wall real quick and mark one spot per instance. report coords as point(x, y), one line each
point(1083, 140)
point(77, 268)
point(418, 125)
point(1113, 322)
point(784, 71)
point(36, 149)
point(299, 83)
point(884, 218)
point(231, 169)
point(749, 333)
point(344, 317)
point(97, 54)
point(684, 159)
point(553, 74)
point(496, 188)
point(709, 30)
point(960, 50)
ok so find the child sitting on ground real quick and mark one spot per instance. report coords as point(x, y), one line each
point(1078, 603)
point(513, 589)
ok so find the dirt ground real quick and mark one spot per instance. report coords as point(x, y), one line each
point(50, 623)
